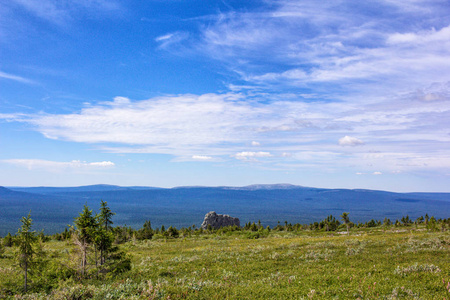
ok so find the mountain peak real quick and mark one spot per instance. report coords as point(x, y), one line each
point(279, 186)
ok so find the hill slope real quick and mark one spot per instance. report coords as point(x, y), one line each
point(54, 208)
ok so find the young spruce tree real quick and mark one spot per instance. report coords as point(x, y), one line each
point(26, 240)
point(105, 215)
point(346, 220)
point(8, 240)
point(84, 235)
point(103, 236)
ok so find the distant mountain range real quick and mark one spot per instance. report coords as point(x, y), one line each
point(86, 188)
point(53, 208)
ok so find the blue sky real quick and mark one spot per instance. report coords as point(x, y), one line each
point(342, 94)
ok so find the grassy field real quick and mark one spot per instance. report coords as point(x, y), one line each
point(400, 263)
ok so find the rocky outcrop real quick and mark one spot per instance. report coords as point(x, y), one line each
point(217, 221)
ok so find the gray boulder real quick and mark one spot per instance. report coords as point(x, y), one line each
point(217, 221)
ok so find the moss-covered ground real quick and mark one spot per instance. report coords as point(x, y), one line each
point(410, 263)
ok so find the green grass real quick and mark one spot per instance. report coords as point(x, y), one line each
point(367, 264)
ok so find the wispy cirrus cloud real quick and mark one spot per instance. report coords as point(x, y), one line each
point(27, 21)
point(331, 46)
point(174, 38)
point(397, 63)
point(17, 78)
point(60, 13)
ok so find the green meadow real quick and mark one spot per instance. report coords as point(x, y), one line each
point(406, 262)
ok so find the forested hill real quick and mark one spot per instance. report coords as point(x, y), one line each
point(54, 208)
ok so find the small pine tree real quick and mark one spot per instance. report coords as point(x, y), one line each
point(105, 215)
point(8, 240)
point(26, 240)
point(346, 220)
point(173, 232)
point(146, 232)
point(103, 236)
point(372, 223)
point(432, 224)
point(84, 235)
point(103, 241)
point(66, 234)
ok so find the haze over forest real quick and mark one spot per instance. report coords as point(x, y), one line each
point(55, 208)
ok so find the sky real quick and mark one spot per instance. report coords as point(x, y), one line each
point(334, 94)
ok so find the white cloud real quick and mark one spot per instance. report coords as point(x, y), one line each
point(184, 124)
point(256, 144)
point(221, 124)
point(377, 173)
point(100, 164)
point(164, 37)
point(12, 117)
point(395, 161)
point(169, 122)
point(423, 37)
point(350, 141)
point(119, 101)
point(251, 155)
point(56, 166)
point(202, 157)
